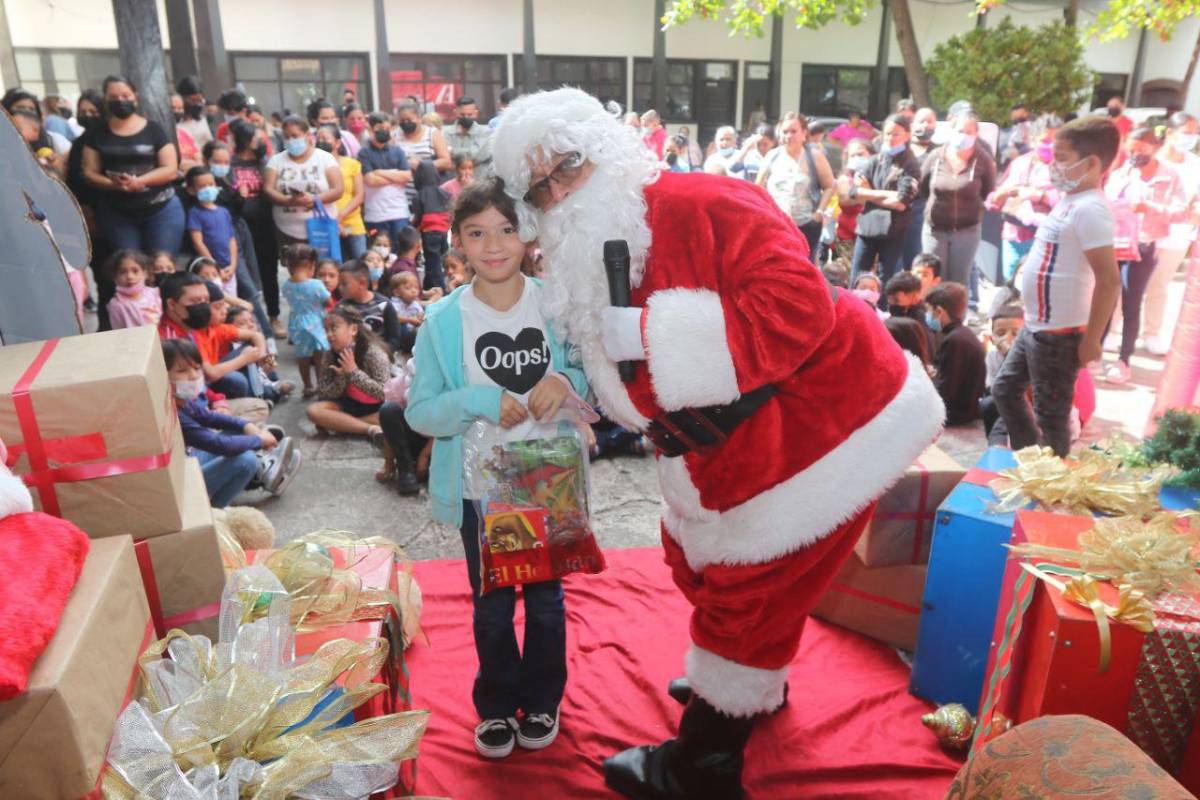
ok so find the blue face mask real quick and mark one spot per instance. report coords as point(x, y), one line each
point(897, 150)
point(376, 274)
point(219, 171)
point(726, 152)
point(933, 323)
point(297, 146)
point(208, 194)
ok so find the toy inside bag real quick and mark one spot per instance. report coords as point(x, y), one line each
point(533, 505)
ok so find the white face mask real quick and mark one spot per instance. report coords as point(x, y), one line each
point(1186, 142)
point(1058, 176)
point(383, 251)
point(189, 390)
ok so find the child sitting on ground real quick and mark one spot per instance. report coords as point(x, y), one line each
point(227, 447)
point(306, 298)
point(381, 243)
point(406, 291)
point(207, 268)
point(210, 227)
point(375, 310)
point(961, 371)
point(912, 336)
point(162, 263)
point(327, 273)
point(375, 269)
point(928, 269)
point(1007, 321)
point(408, 248)
point(457, 271)
point(273, 389)
point(351, 377)
point(135, 303)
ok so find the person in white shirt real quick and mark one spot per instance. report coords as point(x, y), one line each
point(1070, 284)
point(294, 179)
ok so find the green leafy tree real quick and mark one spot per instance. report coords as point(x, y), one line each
point(1119, 18)
point(998, 66)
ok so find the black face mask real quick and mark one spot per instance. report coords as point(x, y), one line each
point(178, 117)
point(898, 311)
point(1114, 111)
point(465, 123)
point(121, 109)
point(923, 135)
point(1140, 160)
point(194, 110)
point(65, 113)
point(261, 150)
point(407, 127)
point(198, 316)
point(326, 146)
point(672, 158)
point(383, 136)
point(90, 121)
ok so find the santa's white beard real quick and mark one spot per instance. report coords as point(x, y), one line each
point(572, 237)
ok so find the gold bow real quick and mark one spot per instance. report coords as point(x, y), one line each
point(1091, 482)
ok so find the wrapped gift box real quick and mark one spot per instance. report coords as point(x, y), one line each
point(962, 588)
point(182, 571)
point(1046, 656)
point(881, 603)
point(901, 528)
point(90, 426)
point(53, 738)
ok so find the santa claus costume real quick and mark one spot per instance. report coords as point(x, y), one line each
point(729, 316)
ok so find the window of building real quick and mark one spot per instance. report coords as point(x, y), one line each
point(1108, 85)
point(756, 94)
point(603, 78)
point(834, 91)
point(439, 80)
point(291, 81)
point(681, 88)
point(67, 72)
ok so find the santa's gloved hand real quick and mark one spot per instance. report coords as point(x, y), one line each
point(621, 333)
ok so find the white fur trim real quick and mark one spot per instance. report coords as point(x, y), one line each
point(14, 496)
point(811, 504)
point(690, 362)
point(610, 391)
point(732, 688)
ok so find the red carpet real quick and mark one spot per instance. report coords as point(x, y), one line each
point(850, 730)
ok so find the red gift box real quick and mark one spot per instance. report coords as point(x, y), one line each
point(1045, 659)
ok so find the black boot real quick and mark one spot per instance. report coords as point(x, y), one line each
point(680, 690)
point(703, 763)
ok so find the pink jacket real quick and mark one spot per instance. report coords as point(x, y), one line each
point(1161, 195)
point(1027, 171)
point(131, 312)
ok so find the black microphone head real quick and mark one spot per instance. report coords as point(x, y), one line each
point(616, 250)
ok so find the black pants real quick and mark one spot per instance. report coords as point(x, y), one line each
point(1049, 362)
point(434, 247)
point(811, 231)
point(262, 232)
point(404, 441)
point(1135, 277)
point(889, 249)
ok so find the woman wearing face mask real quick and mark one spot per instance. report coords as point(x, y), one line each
point(957, 178)
point(295, 179)
point(722, 161)
point(1151, 192)
point(924, 123)
point(131, 162)
point(1178, 153)
point(356, 122)
point(348, 209)
point(1026, 195)
point(246, 177)
point(420, 142)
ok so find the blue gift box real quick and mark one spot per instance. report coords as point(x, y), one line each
point(962, 589)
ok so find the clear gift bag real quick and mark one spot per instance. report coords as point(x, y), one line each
point(532, 501)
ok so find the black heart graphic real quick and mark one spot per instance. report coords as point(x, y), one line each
point(518, 364)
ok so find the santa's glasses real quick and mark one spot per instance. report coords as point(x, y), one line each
point(564, 173)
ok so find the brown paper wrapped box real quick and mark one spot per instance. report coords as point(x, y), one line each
point(100, 405)
point(901, 528)
point(54, 737)
point(188, 571)
point(881, 603)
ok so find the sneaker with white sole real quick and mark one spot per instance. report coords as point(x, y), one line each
point(538, 730)
point(1156, 346)
point(275, 463)
point(494, 738)
point(1118, 374)
point(289, 473)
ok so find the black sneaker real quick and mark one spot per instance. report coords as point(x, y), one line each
point(538, 730)
point(407, 484)
point(494, 737)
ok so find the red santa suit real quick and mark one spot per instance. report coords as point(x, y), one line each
point(756, 528)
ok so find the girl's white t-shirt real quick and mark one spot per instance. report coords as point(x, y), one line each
point(508, 349)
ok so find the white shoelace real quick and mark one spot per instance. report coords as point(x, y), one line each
point(489, 725)
point(543, 719)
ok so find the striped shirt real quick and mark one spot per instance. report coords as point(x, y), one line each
point(1056, 279)
point(422, 149)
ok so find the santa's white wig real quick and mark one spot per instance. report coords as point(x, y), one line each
point(609, 205)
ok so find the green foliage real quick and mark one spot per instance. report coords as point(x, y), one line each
point(747, 16)
point(997, 66)
point(1121, 17)
point(1177, 442)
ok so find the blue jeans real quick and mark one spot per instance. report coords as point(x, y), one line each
point(433, 245)
point(1012, 253)
point(233, 385)
point(392, 228)
point(508, 680)
point(226, 476)
point(912, 237)
point(354, 246)
point(890, 250)
point(162, 230)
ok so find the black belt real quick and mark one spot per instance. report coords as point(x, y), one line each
point(697, 430)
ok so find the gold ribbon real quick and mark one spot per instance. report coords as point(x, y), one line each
point(1133, 608)
point(1091, 482)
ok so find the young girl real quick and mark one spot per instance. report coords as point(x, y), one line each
point(406, 299)
point(162, 263)
point(351, 377)
point(207, 268)
point(408, 245)
point(306, 298)
point(135, 303)
point(464, 173)
point(327, 273)
point(447, 397)
point(457, 271)
point(225, 446)
point(381, 243)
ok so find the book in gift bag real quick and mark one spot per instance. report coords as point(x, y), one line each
point(535, 523)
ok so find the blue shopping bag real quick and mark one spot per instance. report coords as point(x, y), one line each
point(323, 232)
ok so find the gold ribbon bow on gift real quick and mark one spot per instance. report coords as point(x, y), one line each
point(1091, 482)
point(1133, 607)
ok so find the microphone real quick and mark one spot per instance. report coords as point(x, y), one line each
point(616, 264)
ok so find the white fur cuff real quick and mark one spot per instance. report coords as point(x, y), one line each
point(732, 688)
point(14, 497)
point(691, 365)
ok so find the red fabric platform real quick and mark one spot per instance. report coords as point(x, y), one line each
point(850, 729)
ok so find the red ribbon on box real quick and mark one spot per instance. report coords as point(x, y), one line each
point(150, 582)
point(41, 476)
point(874, 598)
point(922, 517)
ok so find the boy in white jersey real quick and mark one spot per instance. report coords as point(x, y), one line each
point(1070, 283)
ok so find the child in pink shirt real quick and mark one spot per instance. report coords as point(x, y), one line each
point(135, 303)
